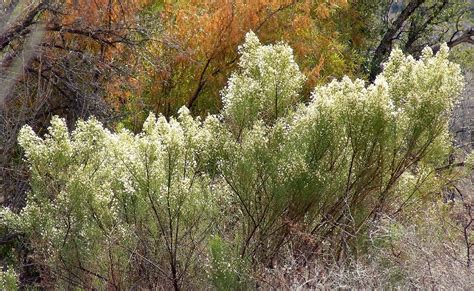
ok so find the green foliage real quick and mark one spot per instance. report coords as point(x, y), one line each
point(226, 268)
point(120, 210)
point(9, 280)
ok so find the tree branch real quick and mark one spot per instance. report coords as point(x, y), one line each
point(386, 42)
point(9, 34)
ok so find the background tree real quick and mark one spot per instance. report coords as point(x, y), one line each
point(197, 47)
point(415, 24)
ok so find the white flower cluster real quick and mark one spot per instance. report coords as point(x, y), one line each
point(267, 84)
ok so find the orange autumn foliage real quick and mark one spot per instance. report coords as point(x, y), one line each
point(101, 28)
point(198, 40)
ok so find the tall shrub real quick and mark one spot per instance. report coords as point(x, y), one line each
point(159, 208)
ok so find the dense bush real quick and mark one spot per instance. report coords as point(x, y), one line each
point(191, 203)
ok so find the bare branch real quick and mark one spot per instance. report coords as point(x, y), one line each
point(386, 42)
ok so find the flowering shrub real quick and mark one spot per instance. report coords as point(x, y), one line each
point(108, 208)
point(158, 209)
point(266, 85)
